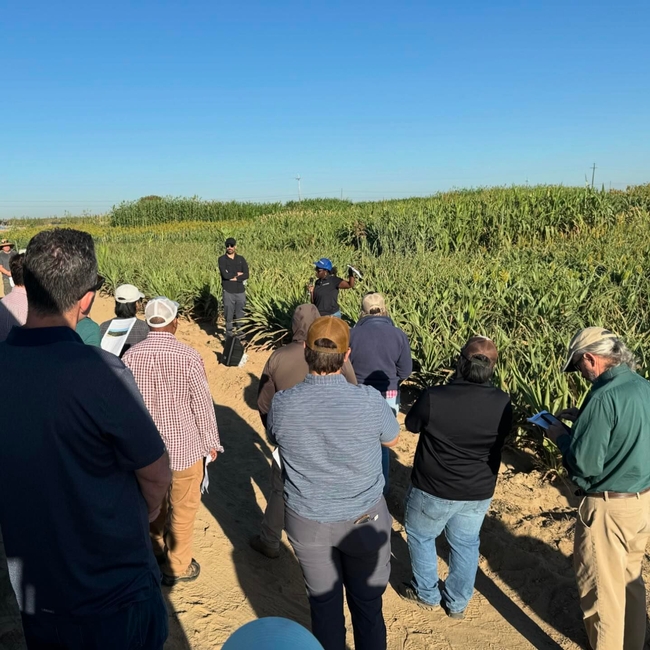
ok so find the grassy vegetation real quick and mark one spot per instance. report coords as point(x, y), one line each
point(526, 266)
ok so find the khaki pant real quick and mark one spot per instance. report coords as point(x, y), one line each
point(610, 541)
point(173, 529)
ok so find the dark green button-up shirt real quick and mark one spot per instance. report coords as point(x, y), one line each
point(608, 449)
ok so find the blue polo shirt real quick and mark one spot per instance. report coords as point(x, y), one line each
point(330, 434)
point(73, 517)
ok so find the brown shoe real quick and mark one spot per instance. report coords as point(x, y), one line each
point(191, 574)
point(259, 545)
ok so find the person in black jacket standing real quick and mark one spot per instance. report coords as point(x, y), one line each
point(462, 427)
point(234, 273)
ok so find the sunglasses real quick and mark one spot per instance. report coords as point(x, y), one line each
point(96, 287)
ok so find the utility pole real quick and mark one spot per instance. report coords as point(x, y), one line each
point(299, 195)
point(593, 173)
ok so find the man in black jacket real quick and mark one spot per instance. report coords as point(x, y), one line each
point(234, 274)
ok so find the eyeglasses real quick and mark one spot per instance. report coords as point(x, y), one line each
point(96, 287)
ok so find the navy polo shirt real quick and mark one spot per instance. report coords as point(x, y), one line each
point(74, 520)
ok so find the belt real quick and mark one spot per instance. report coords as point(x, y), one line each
point(611, 495)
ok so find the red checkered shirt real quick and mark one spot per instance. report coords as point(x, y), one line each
point(172, 380)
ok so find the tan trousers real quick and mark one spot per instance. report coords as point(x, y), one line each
point(173, 529)
point(610, 541)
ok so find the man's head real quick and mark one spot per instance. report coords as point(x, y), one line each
point(231, 245)
point(327, 346)
point(594, 350)
point(477, 360)
point(6, 245)
point(16, 269)
point(60, 272)
point(373, 304)
point(161, 315)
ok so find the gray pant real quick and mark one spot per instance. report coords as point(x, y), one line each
point(6, 285)
point(273, 522)
point(233, 307)
point(344, 554)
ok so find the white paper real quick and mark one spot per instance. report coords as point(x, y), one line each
point(205, 484)
point(11, 282)
point(116, 334)
point(544, 419)
point(276, 456)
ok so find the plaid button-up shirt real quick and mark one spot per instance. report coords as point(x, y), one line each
point(172, 380)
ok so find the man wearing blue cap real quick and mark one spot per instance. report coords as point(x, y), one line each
point(325, 291)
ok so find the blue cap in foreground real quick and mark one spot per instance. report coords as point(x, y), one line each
point(272, 633)
point(323, 263)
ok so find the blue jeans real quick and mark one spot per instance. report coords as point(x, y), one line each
point(426, 518)
point(394, 403)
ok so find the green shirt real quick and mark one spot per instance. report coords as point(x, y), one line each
point(608, 449)
point(88, 330)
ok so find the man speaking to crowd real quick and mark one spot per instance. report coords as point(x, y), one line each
point(606, 453)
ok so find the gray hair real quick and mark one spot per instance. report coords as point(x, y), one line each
point(612, 349)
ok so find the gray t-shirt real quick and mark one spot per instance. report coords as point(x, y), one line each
point(329, 433)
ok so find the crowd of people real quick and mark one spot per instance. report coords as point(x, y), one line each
point(102, 473)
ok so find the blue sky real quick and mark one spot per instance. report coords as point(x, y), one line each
point(105, 102)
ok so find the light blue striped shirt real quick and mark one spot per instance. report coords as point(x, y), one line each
point(329, 434)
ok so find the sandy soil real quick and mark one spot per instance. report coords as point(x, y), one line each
point(525, 594)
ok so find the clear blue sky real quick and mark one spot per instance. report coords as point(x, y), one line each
point(104, 102)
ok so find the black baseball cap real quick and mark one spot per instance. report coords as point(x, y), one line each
point(231, 241)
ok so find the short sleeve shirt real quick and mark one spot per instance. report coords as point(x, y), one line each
point(74, 520)
point(88, 330)
point(326, 295)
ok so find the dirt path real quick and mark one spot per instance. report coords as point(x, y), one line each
point(525, 594)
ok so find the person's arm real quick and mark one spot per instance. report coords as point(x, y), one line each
point(349, 283)
point(154, 481)
point(203, 408)
point(585, 450)
point(270, 434)
point(265, 393)
point(389, 436)
point(418, 416)
point(243, 274)
point(404, 365)
point(505, 425)
point(222, 268)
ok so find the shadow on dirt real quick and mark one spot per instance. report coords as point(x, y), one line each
point(541, 575)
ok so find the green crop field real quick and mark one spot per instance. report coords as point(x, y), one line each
point(526, 266)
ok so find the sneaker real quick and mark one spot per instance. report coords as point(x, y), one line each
point(259, 545)
point(457, 615)
point(407, 592)
point(191, 574)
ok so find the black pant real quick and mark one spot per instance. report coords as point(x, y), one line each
point(345, 554)
point(142, 625)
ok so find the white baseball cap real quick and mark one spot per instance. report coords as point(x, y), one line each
point(160, 307)
point(128, 293)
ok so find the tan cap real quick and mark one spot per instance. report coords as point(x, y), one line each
point(330, 328)
point(584, 338)
point(480, 345)
point(373, 301)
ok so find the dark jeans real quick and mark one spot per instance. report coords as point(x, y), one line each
point(344, 554)
point(233, 307)
point(142, 625)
